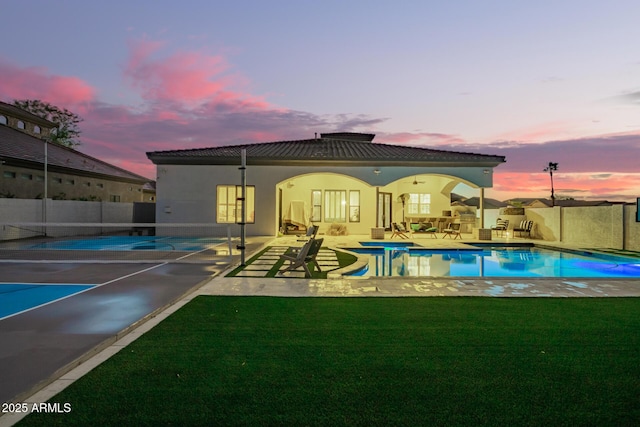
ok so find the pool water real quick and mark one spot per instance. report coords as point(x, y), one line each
point(493, 262)
point(130, 243)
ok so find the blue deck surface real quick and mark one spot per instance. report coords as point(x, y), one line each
point(18, 297)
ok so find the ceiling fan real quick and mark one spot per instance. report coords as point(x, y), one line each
point(416, 182)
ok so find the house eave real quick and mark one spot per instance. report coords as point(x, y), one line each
point(161, 160)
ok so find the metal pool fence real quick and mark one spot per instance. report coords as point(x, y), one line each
point(115, 242)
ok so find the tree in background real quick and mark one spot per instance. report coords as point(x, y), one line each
point(67, 132)
point(552, 167)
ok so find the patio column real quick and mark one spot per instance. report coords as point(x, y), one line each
point(481, 207)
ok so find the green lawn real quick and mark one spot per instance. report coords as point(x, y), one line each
point(372, 361)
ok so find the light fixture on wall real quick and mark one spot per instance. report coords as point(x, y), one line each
point(377, 171)
point(486, 171)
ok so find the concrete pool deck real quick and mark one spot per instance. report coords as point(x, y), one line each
point(30, 339)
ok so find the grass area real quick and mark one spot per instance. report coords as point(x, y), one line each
point(372, 361)
point(344, 259)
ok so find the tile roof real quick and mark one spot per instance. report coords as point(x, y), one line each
point(21, 147)
point(528, 201)
point(323, 150)
point(25, 115)
point(488, 203)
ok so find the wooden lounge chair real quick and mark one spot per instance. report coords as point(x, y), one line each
point(453, 229)
point(424, 228)
point(311, 234)
point(399, 230)
point(501, 226)
point(524, 227)
point(301, 257)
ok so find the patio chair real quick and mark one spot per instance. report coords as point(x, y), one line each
point(501, 226)
point(524, 227)
point(453, 229)
point(424, 228)
point(399, 230)
point(311, 234)
point(301, 257)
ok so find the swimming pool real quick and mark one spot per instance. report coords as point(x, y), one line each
point(492, 262)
point(130, 243)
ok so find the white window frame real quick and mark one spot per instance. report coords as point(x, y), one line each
point(419, 204)
point(228, 206)
point(354, 205)
point(335, 205)
point(316, 205)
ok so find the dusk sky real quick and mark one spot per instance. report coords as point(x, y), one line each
point(537, 82)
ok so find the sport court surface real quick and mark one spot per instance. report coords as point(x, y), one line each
point(16, 298)
point(109, 299)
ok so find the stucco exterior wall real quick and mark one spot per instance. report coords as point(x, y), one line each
point(590, 227)
point(631, 229)
point(599, 226)
point(26, 183)
point(547, 223)
point(187, 193)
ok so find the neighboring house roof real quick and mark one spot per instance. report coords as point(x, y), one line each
point(578, 203)
point(522, 200)
point(19, 113)
point(28, 151)
point(488, 203)
point(457, 198)
point(530, 202)
point(339, 148)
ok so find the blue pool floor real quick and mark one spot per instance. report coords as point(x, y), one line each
point(497, 262)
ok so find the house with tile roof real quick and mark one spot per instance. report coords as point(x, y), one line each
point(70, 173)
point(341, 181)
point(547, 203)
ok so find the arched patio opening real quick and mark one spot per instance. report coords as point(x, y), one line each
point(340, 203)
point(329, 200)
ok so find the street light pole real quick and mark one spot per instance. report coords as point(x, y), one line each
point(46, 180)
point(550, 168)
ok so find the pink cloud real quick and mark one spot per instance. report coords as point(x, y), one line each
point(541, 132)
point(195, 100)
point(189, 78)
point(581, 186)
point(600, 153)
point(39, 83)
point(428, 139)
